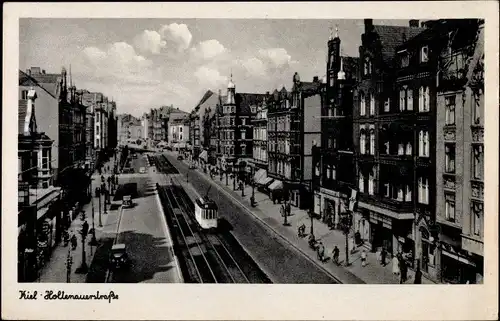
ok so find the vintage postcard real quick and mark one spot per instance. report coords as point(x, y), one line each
point(250, 161)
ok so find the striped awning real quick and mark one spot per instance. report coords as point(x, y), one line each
point(260, 173)
point(265, 181)
point(276, 185)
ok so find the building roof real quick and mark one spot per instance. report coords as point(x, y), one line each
point(29, 81)
point(392, 36)
point(246, 100)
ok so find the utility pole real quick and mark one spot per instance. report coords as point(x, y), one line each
point(93, 241)
point(98, 192)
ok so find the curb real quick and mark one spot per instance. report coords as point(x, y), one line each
point(244, 207)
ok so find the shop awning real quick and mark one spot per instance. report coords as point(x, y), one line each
point(265, 181)
point(204, 156)
point(276, 185)
point(260, 173)
point(386, 212)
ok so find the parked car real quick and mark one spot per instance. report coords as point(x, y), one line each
point(119, 258)
point(127, 201)
point(180, 157)
point(142, 170)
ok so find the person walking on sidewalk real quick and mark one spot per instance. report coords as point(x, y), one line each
point(383, 254)
point(335, 254)
point(363, 258)
point(418, 274)
point(321, 251)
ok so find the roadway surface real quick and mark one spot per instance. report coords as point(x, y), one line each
point(279, 260)
point(143, 230)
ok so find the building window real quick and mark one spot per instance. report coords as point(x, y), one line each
point(180, 129)
point(450, 158)
point(423, 99)
point(362, 142)
point(408, 194)
point(372, 104)
point(401, 149)
point(386, 189)
point(328, 168)
point(45, 159)
point(361, 183)
point(362, 104)
point(405, 60)
point(402, 99)
point(423, 146)
point(371, 183)
point(243, 121)
point(450, 110)
point(477, 213)
point(372, 142)
point(424, 54)
point(317, 170)
point(423, 190)
point(478, 161)
point(24, 95)
point(400, 195)
point(334, 172)
point(409, 149)
point(387, 105)
point(243, 135)
point(450, 207)
point(409, 99)
point(367, 66)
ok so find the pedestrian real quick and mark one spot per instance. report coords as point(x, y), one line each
point(418, 274)
point(336, 253)
point(403, 268)
point(382, 256)
point(395, 265)
point(363, 258)
point(321, 251)
point(74, 242)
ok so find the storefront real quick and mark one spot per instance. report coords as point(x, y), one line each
point(458, 268)
point(332, 205)
point(361, 224)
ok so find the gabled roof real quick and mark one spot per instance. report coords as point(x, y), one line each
point(350, 66)
point(245, 100)
point(30, 81)
point(307, 87)
point(207, 95)
point(392, 36)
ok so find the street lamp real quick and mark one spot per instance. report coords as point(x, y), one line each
point(69, 263)
point(98, 194)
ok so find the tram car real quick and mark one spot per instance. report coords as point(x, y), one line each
point(206, 212)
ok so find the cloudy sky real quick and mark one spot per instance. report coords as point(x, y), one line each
point(146, 63)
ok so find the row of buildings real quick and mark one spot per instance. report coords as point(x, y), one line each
point(158, 127)
point(63, 135)
point(402, 124)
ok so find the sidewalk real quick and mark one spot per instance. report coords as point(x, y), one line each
point(55, 270)
point(269, 214)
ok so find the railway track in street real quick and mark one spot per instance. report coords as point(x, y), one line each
point(208, 256)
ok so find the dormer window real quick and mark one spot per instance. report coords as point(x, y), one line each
point(405, 59)
point(424, 54)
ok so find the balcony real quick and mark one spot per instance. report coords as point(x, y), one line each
point(395, 159)
point(390, 207)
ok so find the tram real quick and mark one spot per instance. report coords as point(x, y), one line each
point(206, 212)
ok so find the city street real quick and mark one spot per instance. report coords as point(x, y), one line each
point(281, 262)
point(145, 234)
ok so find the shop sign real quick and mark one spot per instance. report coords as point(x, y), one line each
point(329, 192)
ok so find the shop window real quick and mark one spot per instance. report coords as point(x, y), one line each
point(450, 207)
point(450, 158)
point(450, 110)
point(478, 161)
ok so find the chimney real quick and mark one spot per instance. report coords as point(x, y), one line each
point(414, 23)
point(35, 70)
point(368, 25)
point(28, 71)
point(315, 79)
point(43, 71)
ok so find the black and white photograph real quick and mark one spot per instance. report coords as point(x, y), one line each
point(343, 151)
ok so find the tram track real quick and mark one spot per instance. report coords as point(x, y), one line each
point(214, 263)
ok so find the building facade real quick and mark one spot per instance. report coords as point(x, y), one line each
point(294, 127)
point(333, 172)
point(457, 246)
point(259, 144)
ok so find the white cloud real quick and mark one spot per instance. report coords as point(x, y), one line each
point(149, 41)
point(210, 77)
point(94, 54)
point(278, 57)
point(178, 34)
point(209, 49)
point(254, 67)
